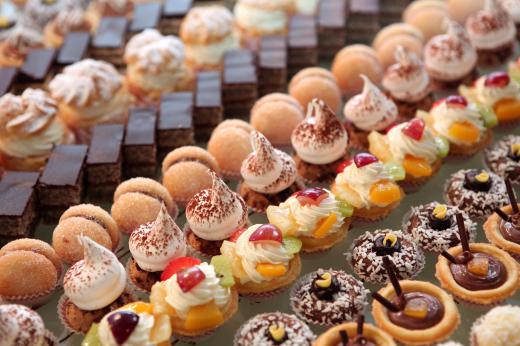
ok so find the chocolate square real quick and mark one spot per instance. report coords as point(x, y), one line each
point(7, 77)
point(110, 33)
point(175, 127)
point(37, 65)
point(74, 48)
point(364, 6)
point(208, 112)
point(238, 57)
point(139, 148)
point(176, 8)
point(273, 42)
point(145, 16)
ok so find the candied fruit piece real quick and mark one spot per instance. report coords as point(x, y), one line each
point(325, 226)
point(270, 270)
point(280, 219)
point(378, 146)
point(384, 193)
point(162, 330)
point(439, 212)
point(277, 332)
point(139, 307)
point(222, 265)
point(203, 317)
point(465, 131)
point(416, 308)
point(292, 245)
point(417, 167)
point(325, 281)
point(507, 110)
point(479, 266)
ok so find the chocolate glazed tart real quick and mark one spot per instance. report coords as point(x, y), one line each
point(504, 235)
point(442, 320)
point(374, 335)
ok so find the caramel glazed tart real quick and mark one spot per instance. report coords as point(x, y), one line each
point(483, 297)
point(439, 332)
point(372, 333)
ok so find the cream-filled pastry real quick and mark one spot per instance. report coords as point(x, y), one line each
point(17, 43)
point(68, 20)
point(41, 12)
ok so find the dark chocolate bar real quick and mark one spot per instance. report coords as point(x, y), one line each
point(175, 127)
point(172, 15)
point(74, 48)
point(37, 65)
point(208, 112)
point(302, 44)
point(108, 42)
point(145, 16)
point(7, 77)
point(331, 27)
point(139, 148)
point(239, 57)
point(273, 42)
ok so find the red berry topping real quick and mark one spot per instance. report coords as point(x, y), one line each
point(189, 278)
point(497, 80)
point(457, 101)
point(414, 128)
point(312, 196)
point(343, 165)
point(364, 159)
point(178, 264)
point(236, 234)
point(122, 324)
point(438, 103)
point(267, 233)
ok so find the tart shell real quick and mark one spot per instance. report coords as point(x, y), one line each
point(332, 337)
point(493, 234)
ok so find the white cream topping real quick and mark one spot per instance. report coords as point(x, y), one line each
point(370, 110)
point(71, 19)
point(206, 23)
point(513, 8)
point(407, 80)
point(41, 12)
point(20, 325)
point(10, 13)
point(23, 38)
point(445, 116)
point(140, 336)
point(489, 95)
point(266, 20)
point(118, 6)
point(97, 280)
point(153, 245)
point(401, 145)
point(499, 327)
point(308, 7)
point(212, 53)
point(206, 291)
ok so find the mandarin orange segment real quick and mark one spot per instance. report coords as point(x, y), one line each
point(378, 146)
point(203, 317)
point(479, 266)
point(465, 131)
point(507, 110)
point(416, 309)
point(384, 192)
point(417, 167)
point(139, 308)
point(325, 226)
point(269, 270)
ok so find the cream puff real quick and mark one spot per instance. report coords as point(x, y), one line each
point(68, 20)
point(41, 12)
point(9, 17)
point(316, 82)
point(305, 7)
point(17, 43)
point(98, 9)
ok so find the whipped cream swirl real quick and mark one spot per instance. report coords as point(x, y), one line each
point(140, 336)
point(445, 116)
point(21, 326)
point(263, 16)
point(97, 280)
point(489, 95)
point(401, 145)
point(23, 38)
point(513, 8)
point(203, 24)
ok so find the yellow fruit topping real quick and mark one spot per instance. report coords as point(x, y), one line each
point(157, 299)
point(378, 146)
point(515, 149)
point(269, 270)
point(277, 332)
point(325, 281)
point(139, 308)
point(417, 167)
point(4, 22)
point(465, 131)
point(203, 317)
point(439, 212)
point(384, 192)
point(507, 110)
point(325, 226)
point(479, 266)
point(416, 308)
point(482, 177)
point(390, 240)
point(162, 330)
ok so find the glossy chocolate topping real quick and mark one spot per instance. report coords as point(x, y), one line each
point(385, 247)
point(496, 274)
point(433, 315)
point(511, 230)
point(440, 224)
point(325, 291)
point(473, 182)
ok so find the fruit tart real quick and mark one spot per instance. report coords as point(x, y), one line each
point(262, 260)
point(498, 327)
point(320, 143)
point(503, 158)
point(495, 93)
point(369, 187)
point(133, 324)
point(412, 145)
point(198, 297)
point(478, 273)
point(461, 123)
point(313, 215)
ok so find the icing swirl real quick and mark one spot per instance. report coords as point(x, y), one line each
point(140, 335)
point(21, 326)
point(401, 145)
point(444, 117)
point(489, 95)
point(22, 38)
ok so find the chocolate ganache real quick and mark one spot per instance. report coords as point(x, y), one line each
point(511, 229)
point(419, 311)
point(482, 272)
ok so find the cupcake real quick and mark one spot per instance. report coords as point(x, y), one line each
point(368, 250)
point(198, 297)
point(461, 123)
point(496, 94)
point(269, 175)
point(20, 325)
point(320, 143)
point(413, 146)
point(138, 201)
point(408, 83)
point(369, 111)
point(274, 328)
point(434, 228)
point(153, 245)
point(352, 333)
point(185, 172)
point(316, 83)
point(17, 43)
point(93, 287)
point(213, 215)
point(492, 32)
point(68, 20)
point(328, 297)
point(477, 192)
point(513, 8)
point(503, 158)
point(29, 130)
point(90, 92)
point(314, 216)
point(155, 66)
point(498, 327)
point(394, 35)
point(369, 187)
point(41, 12)
point(207, 32)
point(450, 59)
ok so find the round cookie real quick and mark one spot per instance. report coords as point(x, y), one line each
point(316, 82)
point(36, 246)
point(428, 16)
point(460, 10)
point(403, 34)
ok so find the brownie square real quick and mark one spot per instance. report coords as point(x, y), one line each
point(139, 147)
point(272, 68)
point(302, 43)
point(108, 42)
point(239, 57)
point(331, 27)
point(175, 127)
point(145, 16)
point(7, 78)
point(74, 48)
point(208, 112)
point(273, 42)
point(36, 69)
point(172, 15)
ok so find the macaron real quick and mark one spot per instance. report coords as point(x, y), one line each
point(460, 10)
point(397, 34)
point(315, 82)
point(428, 16)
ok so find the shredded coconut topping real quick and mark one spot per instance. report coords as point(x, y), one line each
point(498, 159)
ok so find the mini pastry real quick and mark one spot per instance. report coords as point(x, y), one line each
point(414, 312)
point(477, 192)
point(412, 145)
point(306, 7)
point(274, 328)
point(353, 61)
point(460, 10)
point(313, 215)
point(41, 12)
point(367, 253)
point(185, 172)
point(328, 297)
point(269, 175)
point(88, 93)
point(395, 35)
point(132, 324)
point(9, 18)
point(98, 9)
point(262, 260)
point(461, 123)
point(316, 83)
point(496, 94)
point(23, 256)
point(450, 59)
point(88, 220)
point(153, 245)
point(276, 116)
point(198, 297)
point(492, 32)
point(93, 287)
point(503, 158)
point(408, 83)
point(513, 8)
point(137, 201)
point(155, 66)
point(29, 130)
point(427, 16)
point(371, 110)
point(68, 20)
point(17, 44)
point(207, 32)
point(230, 143)
point(434, 228)
point(20, 325)
point(369, 187)
point(498, 327)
